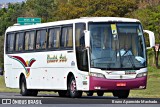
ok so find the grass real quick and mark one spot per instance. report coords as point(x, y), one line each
point(152, 91)
point(153, 85)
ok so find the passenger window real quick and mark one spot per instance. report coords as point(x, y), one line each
point(29, 40)
point(19, 41)
point(54, 35)
point(67, 37)
point(41, 39)
point(80, 34)
point(70, 37)
point(10, 42)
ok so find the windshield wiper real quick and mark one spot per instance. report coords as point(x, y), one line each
point(131, 61)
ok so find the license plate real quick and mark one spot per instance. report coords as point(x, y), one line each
point(121, 84)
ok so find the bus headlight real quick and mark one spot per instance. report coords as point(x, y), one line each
point(141, 74)
point(99, 75)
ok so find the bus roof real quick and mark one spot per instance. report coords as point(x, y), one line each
point(82, 19)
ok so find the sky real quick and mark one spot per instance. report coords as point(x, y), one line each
point(7, 1)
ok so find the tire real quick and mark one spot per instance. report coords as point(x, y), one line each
point(122, 93)
point(90, 93)
point(63, 93)
point(33, 92)
point(100, 93)
point(72, 89)
point(24, 91)
point(115, 93)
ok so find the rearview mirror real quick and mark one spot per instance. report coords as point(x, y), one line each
point(87, 38)
point(151, 38)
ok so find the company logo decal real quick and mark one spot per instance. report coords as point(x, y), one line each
point(56, 59)
point(108, 72)
point(26, 64)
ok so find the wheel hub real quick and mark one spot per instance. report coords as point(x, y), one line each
point(73, 86)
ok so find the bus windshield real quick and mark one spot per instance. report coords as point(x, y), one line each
point(117, 45)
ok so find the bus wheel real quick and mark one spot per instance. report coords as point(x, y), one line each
point(90, 93)
point(115, 93)
point(63, 93)
point(33, 92)
point(72, 88)
point(122, 93)
point(100, 93)
point(23, 88)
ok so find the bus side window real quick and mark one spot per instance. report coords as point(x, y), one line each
point(57, 38)
point(63, 38)
point(29, 40)
point(26, 40)
point(41, 39)
point(80, 35)
point(10, 42)
point(50, 41)
point(19, 41)
point(70, 37)
point(54, 35)
point(67, 37)
point(38, 40)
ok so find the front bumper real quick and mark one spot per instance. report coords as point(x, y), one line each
point(112, 84)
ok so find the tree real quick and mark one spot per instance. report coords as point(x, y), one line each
point(1, 51)
point(80, 8)
point(40, 8)
point(150, 19)
point(9, 16)
point(145, 3)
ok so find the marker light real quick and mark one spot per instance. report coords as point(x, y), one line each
point(141, 74)
point(99, 75)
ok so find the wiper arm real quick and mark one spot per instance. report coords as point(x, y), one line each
point(131, 61)
point(128, 54)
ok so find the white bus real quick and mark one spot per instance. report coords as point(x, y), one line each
point(90, 54)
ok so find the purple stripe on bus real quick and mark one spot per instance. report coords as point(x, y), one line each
point(111, 84)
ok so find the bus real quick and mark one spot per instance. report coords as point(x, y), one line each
point(88, 54)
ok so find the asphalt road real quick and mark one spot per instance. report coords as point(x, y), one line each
point(50, 100)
